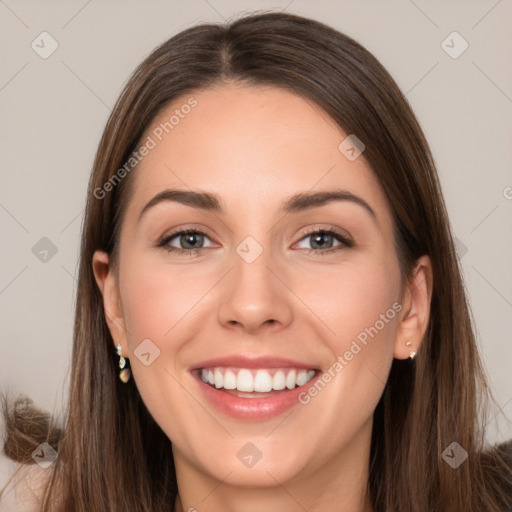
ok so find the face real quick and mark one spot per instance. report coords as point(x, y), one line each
point(291, 315)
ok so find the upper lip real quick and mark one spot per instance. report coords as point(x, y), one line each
point(238, 361)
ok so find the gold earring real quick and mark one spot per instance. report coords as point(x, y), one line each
point(125, 373)
point(412, 353)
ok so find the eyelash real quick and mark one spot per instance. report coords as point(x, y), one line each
point(321, 231)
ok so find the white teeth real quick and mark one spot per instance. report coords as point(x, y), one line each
point(302, 378)
point(218, 378)
point(260, 381)
point(245, 381)
point(229, 380)
point(290, 379)
point(279, 381)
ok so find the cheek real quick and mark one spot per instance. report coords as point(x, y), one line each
point(158, 306)
point(157, 297)
point(348, 300)
point(357, 301)
point(359, 304)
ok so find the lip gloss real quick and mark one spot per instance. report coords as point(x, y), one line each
point(264, 406)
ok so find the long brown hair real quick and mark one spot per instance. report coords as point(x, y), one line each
point(112, 454)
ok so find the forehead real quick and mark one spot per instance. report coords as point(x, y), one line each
point(249, 144)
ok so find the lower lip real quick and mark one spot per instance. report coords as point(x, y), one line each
point(258, 409)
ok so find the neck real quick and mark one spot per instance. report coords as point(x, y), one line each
point(340, 483)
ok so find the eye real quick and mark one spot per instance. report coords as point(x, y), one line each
point(191, 241)
point(322, 241)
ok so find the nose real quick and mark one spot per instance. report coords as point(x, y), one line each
point(255, 296)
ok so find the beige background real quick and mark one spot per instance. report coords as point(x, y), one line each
point(53, 112)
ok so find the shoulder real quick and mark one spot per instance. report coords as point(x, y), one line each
point(505, 453)
point(505, 448)
point(501, 471)
point(22, 491)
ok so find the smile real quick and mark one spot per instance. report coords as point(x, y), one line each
point(253, 389)
point(262, 380)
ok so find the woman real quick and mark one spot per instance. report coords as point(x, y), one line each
point(270, 313)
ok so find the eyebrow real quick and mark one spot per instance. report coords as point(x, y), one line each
point(296, 203)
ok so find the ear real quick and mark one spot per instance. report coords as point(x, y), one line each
point(416, 309)
point(108, 285)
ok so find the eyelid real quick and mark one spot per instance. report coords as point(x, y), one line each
point(342, 236)
point(345, 240)
point(311, 229)
point(182, 230)
point(186, 228)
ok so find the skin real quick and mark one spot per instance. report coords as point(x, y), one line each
point(255, 147)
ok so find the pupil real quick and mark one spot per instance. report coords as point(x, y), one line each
point(189, 238)
point(320, 237)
